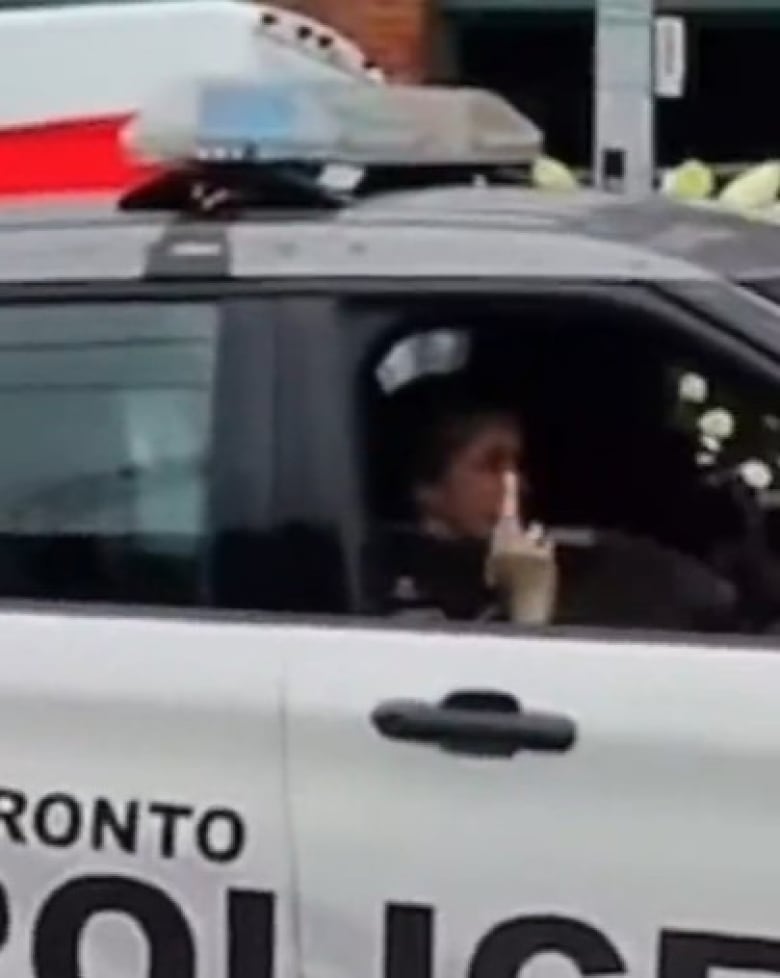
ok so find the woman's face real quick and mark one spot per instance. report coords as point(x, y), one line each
point(466, 499)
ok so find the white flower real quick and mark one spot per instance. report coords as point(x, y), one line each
point(705, 460)
point(693, 388)
point(756, 474)
point(710, 445)
point(717, 423)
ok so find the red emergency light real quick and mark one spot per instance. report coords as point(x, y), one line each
point(78, 156)
point(77, 72)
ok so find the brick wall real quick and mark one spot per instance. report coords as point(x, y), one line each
point(393, 33)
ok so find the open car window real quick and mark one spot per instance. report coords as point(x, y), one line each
point(635, 431)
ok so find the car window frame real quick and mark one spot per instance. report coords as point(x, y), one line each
point(650, 299)
point(234, 419)
point(644, 296)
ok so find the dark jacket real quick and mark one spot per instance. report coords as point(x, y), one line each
point(612, 580)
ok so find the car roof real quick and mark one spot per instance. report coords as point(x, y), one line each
point(446, 231)
point(726, 243)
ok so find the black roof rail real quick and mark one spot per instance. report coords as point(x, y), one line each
point(220, 189)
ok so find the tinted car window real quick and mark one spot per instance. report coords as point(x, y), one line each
point(105, 433)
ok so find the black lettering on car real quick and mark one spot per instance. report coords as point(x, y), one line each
point(250, 927)
point(12, 806)
point(62, 925)
point(169, 816)
point(691, 955)
point(57, 820)
point(59, 928)
point(409, 937)
point(115, 825)
point(512, 944)
point(220, 835)
point(60, 820)
point(5, 917)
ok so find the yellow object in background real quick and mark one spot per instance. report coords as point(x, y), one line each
point(754, 194)
point(550, 174)
point(691, 180)
point(755, 189)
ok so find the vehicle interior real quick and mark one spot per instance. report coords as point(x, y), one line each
point(610, 444)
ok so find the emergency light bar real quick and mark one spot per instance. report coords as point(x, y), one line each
point(241, 121)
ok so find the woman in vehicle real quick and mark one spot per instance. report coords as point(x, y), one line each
point(473, 553)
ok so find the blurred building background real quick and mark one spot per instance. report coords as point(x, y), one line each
point(539, 52)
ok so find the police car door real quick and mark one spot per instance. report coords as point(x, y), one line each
point(443, 833)
point(477, 805)
point(142, 825)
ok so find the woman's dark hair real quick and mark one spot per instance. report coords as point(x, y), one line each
point(443, 421)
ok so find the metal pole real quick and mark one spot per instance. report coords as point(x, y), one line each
point(624, 138)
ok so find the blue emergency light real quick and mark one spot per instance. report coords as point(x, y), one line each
point(353, 123)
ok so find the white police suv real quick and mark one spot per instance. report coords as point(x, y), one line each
point(221, 757)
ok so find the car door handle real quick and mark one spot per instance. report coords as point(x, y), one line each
point(477, 723)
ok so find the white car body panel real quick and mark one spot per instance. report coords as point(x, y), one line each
point(154, 711)
point(663, 816)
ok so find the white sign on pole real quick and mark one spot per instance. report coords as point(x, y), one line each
point(670, 57)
